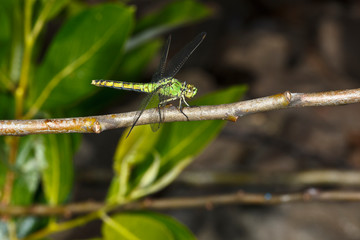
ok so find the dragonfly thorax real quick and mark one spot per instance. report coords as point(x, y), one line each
point(172, 88)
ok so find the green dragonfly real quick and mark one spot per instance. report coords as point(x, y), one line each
point(163, 84)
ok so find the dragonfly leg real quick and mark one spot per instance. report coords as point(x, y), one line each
point(164, 102)
point(161, 119)
point(187, 118)
point(182, 99)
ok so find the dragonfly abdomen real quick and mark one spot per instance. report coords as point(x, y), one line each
point(138, 87)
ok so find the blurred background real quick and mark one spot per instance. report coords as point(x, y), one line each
point(272, 46)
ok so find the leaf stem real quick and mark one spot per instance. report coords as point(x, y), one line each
point(39, 24)
point(30, 36)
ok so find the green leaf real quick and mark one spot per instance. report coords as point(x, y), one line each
point(179, 231)
point(180, 142)
point(162, 181)
point(136, 60)
point(4, 234)
point(174, 14)
point(15, 48)
point(29, 164)
point(58, 174)
point(5, 33)
point(84, 49)
point(74, 7)
point(29, 224)
point(131, 226)
point(27, 169)
point(134, 151)
point(189, 138)
point(150, 173)
point(134, 148)
point(7, 106)
point(130, 69)
point(176, 146)
point(7, 39)
point(8, 4)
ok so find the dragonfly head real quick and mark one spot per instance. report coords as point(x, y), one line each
point(190, 91)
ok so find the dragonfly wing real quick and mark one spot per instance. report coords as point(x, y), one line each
point(160, 106)
point(150, 98)
point(159, 74)
point(160, 115)
point(163, 72)
point(151, 101)
point(181, 57)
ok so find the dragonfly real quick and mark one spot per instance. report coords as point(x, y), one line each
point(163, 84)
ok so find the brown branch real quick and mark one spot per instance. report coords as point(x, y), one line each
point(240, 197)
point(303, 178)
point(10, 175)
point(97, 124)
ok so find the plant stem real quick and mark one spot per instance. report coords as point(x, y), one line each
point(25, 67)
point(10, 175)
point(19, 99)
point(29, 40)
point(12, 230)
point(59, 227)
point(19, 104)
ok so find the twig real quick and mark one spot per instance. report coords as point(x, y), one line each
point(10, 175)
point(240, 197)
point(300, 179)
point(306, 178)
point(97, 124)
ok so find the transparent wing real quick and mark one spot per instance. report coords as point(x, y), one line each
point(151, 101)
point(181, 57)
point(159, 74)
point(160, 108)
point(155, 102)
point(163, 72)
point(152, 98)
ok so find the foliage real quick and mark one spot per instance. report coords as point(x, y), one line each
point(131, 226)
point(146, 162)
point(41, 79)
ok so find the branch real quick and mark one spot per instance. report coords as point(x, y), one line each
point(240, 197)
point(97, 124)
point(321, 177)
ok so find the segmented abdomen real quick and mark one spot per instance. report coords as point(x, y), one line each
point(138, 87)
